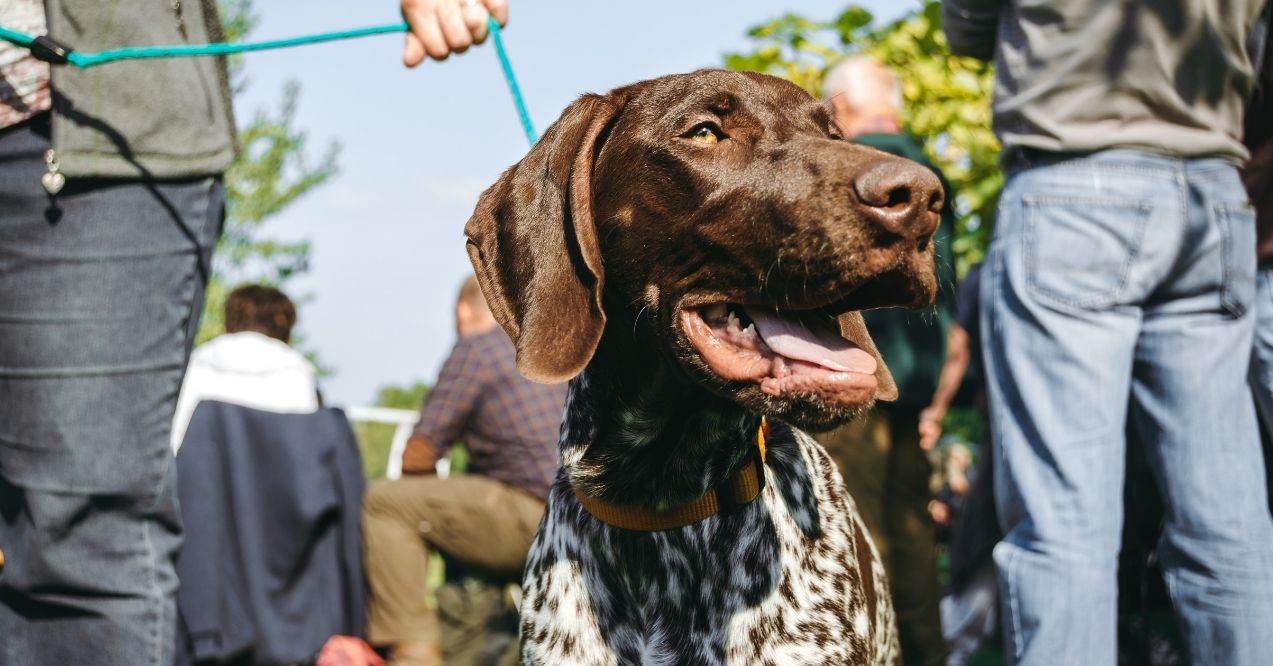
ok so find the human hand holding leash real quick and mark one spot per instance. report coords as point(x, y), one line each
point(442, 27)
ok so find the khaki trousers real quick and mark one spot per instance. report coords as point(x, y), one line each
point(887, 474)
point(478, 521)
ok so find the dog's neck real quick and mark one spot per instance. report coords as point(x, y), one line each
point(635, 433)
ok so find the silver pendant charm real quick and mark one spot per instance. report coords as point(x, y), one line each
point(52, 180)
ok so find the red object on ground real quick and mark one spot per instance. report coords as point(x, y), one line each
point(348, 651)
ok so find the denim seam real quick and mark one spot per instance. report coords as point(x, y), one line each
point(1222, 214)
point(1016, 636)
point(156, 600)
point(1264, 275)
point(1032, 205)
point(1124, 163)
point(1090, 166)
point(1098, 167)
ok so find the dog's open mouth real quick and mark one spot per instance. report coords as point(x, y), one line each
point(787, 353)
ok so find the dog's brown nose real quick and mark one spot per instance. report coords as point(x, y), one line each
point(901, 196)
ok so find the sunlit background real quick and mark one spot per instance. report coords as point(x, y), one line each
point(416, 147)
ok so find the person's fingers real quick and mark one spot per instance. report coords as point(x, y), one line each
point(442, 27)
point(422, 17)
point(413, 51)
point(498, 9)
point(929, 433)
point(415, 13)
point(475, 17)
point(431, 36)
point(452, 25)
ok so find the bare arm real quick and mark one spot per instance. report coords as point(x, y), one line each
point(958, 354)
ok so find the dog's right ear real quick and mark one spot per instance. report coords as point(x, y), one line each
point(533, 243)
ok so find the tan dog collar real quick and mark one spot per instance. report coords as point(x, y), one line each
point(739, 489)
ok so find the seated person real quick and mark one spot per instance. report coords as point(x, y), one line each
point(252, 364)
point(485, 519)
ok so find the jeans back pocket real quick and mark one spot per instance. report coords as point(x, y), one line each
point(1079, 251)
point(1236, 223)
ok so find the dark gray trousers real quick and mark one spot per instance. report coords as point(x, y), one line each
point(101, 288)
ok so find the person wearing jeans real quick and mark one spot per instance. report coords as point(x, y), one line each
point(1122, 271)
point(100, 291)
point(110, 204)
point(1258, 177)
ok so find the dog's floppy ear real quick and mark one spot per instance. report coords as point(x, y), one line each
point(853, 329)
point(533, 243)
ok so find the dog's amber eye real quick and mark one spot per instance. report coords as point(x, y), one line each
point(705, 133)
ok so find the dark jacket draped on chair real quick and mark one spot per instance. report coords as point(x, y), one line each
point(272, 561)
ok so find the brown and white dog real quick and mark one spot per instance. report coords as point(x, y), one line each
point(692, 252)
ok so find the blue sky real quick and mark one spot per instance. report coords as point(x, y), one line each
point(418, 146)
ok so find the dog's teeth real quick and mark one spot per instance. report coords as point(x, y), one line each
point(715, 311)
point(733, 321)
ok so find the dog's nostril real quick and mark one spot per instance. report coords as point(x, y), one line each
point(880, 188)
point(898, 196)
point(935, 201)
point(922, 245)
point(889, 186)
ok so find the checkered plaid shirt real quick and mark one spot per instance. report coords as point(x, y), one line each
point(508, 423)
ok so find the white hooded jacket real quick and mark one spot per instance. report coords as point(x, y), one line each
point(248, 369)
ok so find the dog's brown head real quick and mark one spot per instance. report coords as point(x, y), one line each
point(719, 221)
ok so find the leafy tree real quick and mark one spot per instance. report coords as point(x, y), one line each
point(375, 439)
point(270, 173)
point(947, 98)
point(402, 397)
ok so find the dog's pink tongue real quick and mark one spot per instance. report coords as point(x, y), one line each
point(792, 339)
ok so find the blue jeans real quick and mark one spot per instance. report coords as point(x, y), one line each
point(1114, 279)
point(1262, 354)
point(100, 291)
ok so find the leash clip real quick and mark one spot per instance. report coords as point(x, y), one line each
point(49, 50)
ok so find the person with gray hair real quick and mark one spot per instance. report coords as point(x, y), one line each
point(865, 95)
point(879, 455)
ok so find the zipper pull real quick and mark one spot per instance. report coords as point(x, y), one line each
point(52, 180)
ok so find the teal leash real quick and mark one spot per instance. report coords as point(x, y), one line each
point(507, 66)
point(51, 51)
point(86, 60)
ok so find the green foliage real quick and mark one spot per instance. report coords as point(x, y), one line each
point(237, 20)
point(963, 424)
point(402, 397)
point(270, 174)
point(375, 439)
point(947, 98)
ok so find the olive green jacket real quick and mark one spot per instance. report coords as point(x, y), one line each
point(163, 119)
